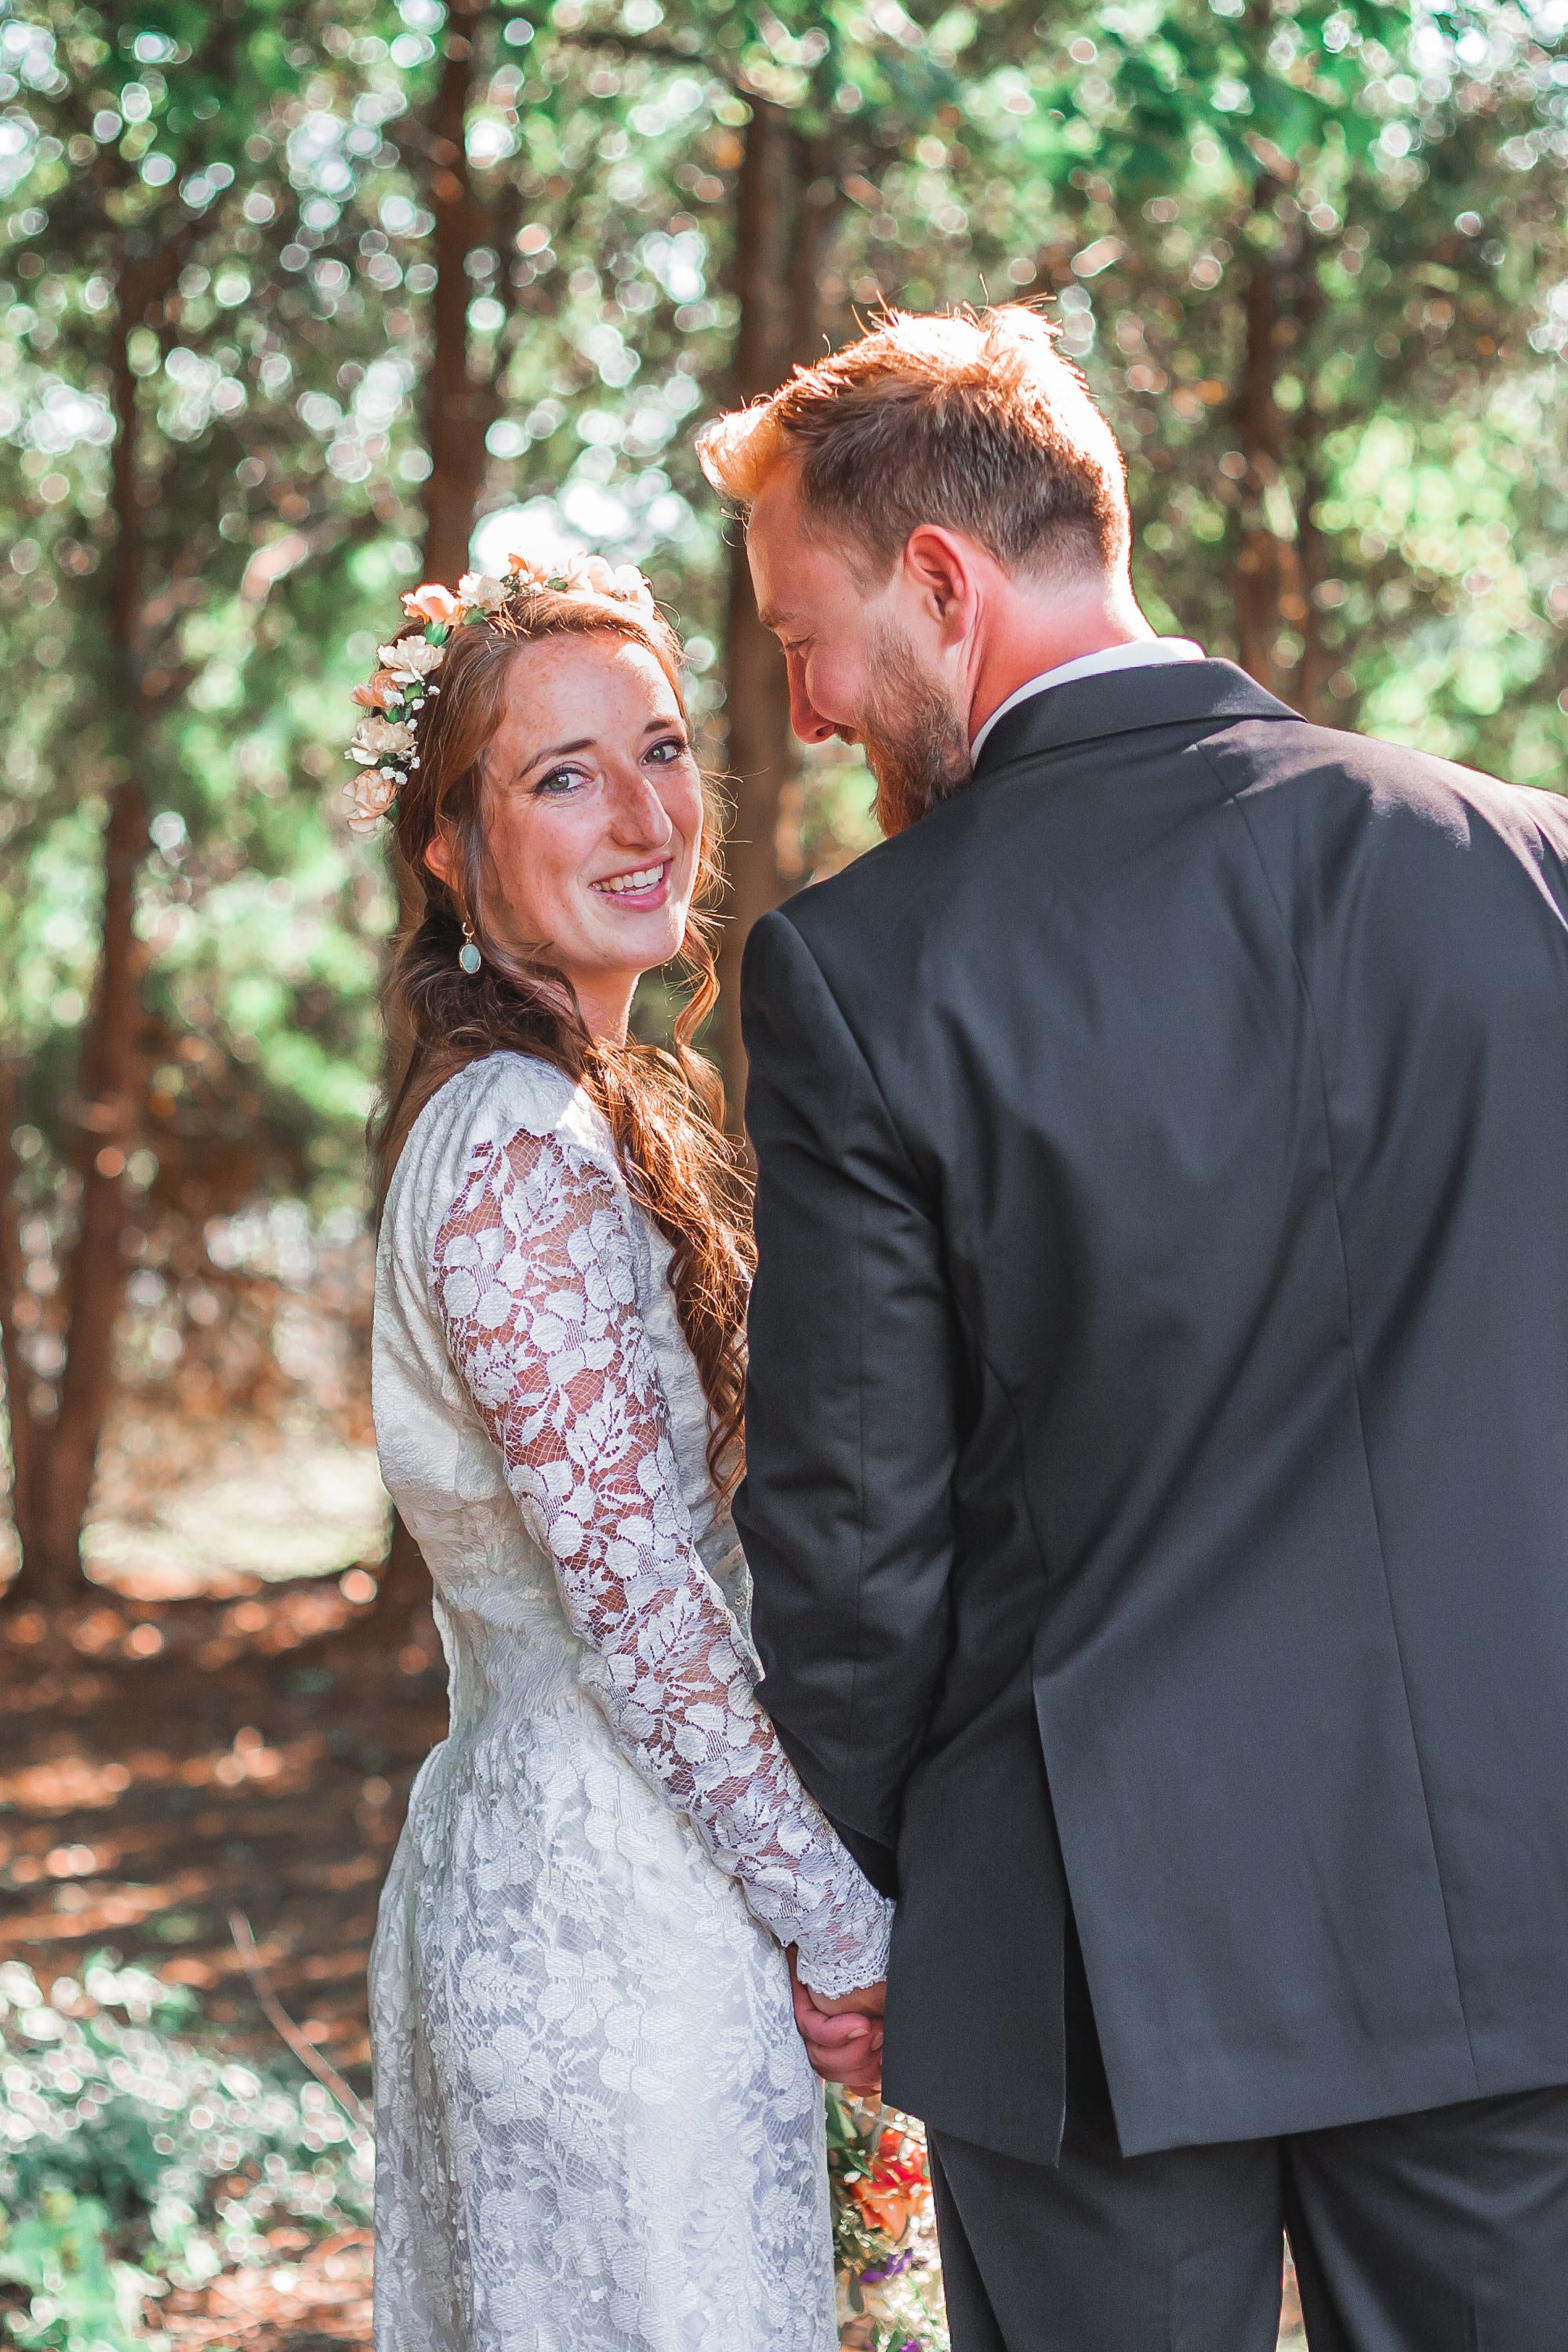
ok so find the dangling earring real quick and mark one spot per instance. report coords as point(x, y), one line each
point(468, 954)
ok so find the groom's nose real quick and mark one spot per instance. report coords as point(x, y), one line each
point(803, 715)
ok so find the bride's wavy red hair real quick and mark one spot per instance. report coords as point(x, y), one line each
point(664, 1106)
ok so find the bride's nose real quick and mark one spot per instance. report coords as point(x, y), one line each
point(638, 818)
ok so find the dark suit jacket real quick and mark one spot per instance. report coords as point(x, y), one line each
point(1159, 1413)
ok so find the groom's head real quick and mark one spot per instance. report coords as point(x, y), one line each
point(925, 507)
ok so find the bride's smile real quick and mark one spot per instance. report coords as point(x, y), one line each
point(644, 889)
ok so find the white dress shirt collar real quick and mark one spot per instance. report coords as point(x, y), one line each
point(1142, 653)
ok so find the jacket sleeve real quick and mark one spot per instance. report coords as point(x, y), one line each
point(852, 1406)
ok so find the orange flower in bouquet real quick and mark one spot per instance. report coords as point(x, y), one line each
point(896, 2190)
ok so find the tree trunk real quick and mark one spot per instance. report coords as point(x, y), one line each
point(459, 412)
point(108, 1116)
point(65, 1452)
point(1317, 661)
point(22, 1420)
point(780, 225)
point(404, 1589)
point(1258, 582)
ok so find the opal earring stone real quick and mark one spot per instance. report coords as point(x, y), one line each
point(468, 954)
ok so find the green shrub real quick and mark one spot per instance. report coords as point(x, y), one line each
point(137, 2153)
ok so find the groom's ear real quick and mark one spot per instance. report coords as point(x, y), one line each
point(943, 568)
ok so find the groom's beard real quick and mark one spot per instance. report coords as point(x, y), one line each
point(916, 742)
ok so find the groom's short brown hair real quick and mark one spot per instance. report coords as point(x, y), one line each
point(974, 421)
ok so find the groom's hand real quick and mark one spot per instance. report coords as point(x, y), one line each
point(870, 2001)
point(843, 2040)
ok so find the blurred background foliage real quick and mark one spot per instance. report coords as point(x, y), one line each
point(150, 2161)
point(301, 299)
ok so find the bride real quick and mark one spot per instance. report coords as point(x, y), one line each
point(598, 2128)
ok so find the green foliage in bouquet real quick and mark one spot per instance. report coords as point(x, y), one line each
point(884, 2240)
point(135, 2155)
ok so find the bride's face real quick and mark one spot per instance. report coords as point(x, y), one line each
point(592, 807)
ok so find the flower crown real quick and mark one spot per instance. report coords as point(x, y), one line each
point(385, 742)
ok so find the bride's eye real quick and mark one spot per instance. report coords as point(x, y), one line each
point(559, 780)
point(671, 748)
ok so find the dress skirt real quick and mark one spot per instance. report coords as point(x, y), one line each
point(597, 2130)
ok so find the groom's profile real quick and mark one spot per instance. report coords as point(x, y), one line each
point(1158, 1431)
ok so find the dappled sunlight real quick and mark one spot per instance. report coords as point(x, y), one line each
point(129, 1815)
point(295, 1511)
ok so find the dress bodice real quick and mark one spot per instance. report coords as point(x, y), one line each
point(507, 1635)
point(543, 1432)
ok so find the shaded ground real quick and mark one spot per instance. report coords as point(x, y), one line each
point(319, 2303)
point(140, 1799)
point(160, 1763)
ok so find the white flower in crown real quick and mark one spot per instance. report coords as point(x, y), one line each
point(589, 575)
point(369, 797)
point(412, 657)
point(481, 592)
point(381, 738)
point(581, 574)
point(631, 587)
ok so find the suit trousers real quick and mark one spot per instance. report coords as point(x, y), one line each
point(1446, 2232)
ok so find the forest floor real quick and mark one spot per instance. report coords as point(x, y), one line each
point(165, 1764)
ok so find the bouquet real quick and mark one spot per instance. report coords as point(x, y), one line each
point(884, 2232)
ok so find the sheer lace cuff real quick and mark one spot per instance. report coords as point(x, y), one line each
point(838, 1971)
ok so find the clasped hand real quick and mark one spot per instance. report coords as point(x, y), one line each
point(843, 2037)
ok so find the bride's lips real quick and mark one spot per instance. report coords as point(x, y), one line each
point(641, 889)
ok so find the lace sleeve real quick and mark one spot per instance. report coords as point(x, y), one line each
point(534, 1281)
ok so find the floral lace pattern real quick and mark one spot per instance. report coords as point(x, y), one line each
point(535, 1285)
point(596, 2128)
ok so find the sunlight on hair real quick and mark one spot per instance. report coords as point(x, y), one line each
point(972, 419)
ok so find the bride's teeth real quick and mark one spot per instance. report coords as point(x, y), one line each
point(624, 882)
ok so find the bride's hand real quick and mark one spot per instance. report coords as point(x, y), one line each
point(844, 2043)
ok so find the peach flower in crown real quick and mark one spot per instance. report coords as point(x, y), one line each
point(527, 572)
point(434, 603)
point(385, 690)
point(369, 797)
point(385, 746)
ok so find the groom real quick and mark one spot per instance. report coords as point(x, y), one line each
point(1158, 1435)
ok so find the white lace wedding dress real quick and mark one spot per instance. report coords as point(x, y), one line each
point(597, 2127)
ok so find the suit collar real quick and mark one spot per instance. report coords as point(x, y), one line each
point(1169, 694)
